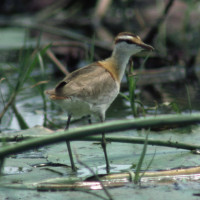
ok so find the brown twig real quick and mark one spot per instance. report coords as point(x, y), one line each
point(51, 55)
point(57, 62)
point(171, 172)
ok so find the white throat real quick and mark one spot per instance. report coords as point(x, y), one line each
point(121, 55)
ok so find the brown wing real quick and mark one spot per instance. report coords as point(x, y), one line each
point(84, 83)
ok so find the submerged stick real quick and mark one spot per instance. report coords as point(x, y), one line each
point(109, 180)
point(137, 140)
point(170, 172)
point(120, 139)
point(108, 127)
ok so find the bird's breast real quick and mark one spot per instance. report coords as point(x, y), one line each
point(90, 104)
point(75, 106)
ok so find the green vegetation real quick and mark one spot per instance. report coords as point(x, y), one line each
point(40, 43)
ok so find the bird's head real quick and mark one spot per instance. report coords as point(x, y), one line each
point(130, 43)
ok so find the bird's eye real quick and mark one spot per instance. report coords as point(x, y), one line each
point(128, 41)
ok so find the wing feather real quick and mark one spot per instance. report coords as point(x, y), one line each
point(85, 82)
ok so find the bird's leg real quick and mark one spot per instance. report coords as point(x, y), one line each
point(69, 146)
point(68, 122)
point(89, 119)
point(103, 144)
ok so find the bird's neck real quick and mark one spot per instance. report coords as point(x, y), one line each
point(121, 60)
point(116, 64)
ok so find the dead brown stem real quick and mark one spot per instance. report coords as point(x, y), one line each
point(57, 62)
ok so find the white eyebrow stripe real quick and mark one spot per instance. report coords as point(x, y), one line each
point(125, 37)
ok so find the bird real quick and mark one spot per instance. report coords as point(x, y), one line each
point(90, 90)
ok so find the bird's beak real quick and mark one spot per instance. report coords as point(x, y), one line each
point(146, 46)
